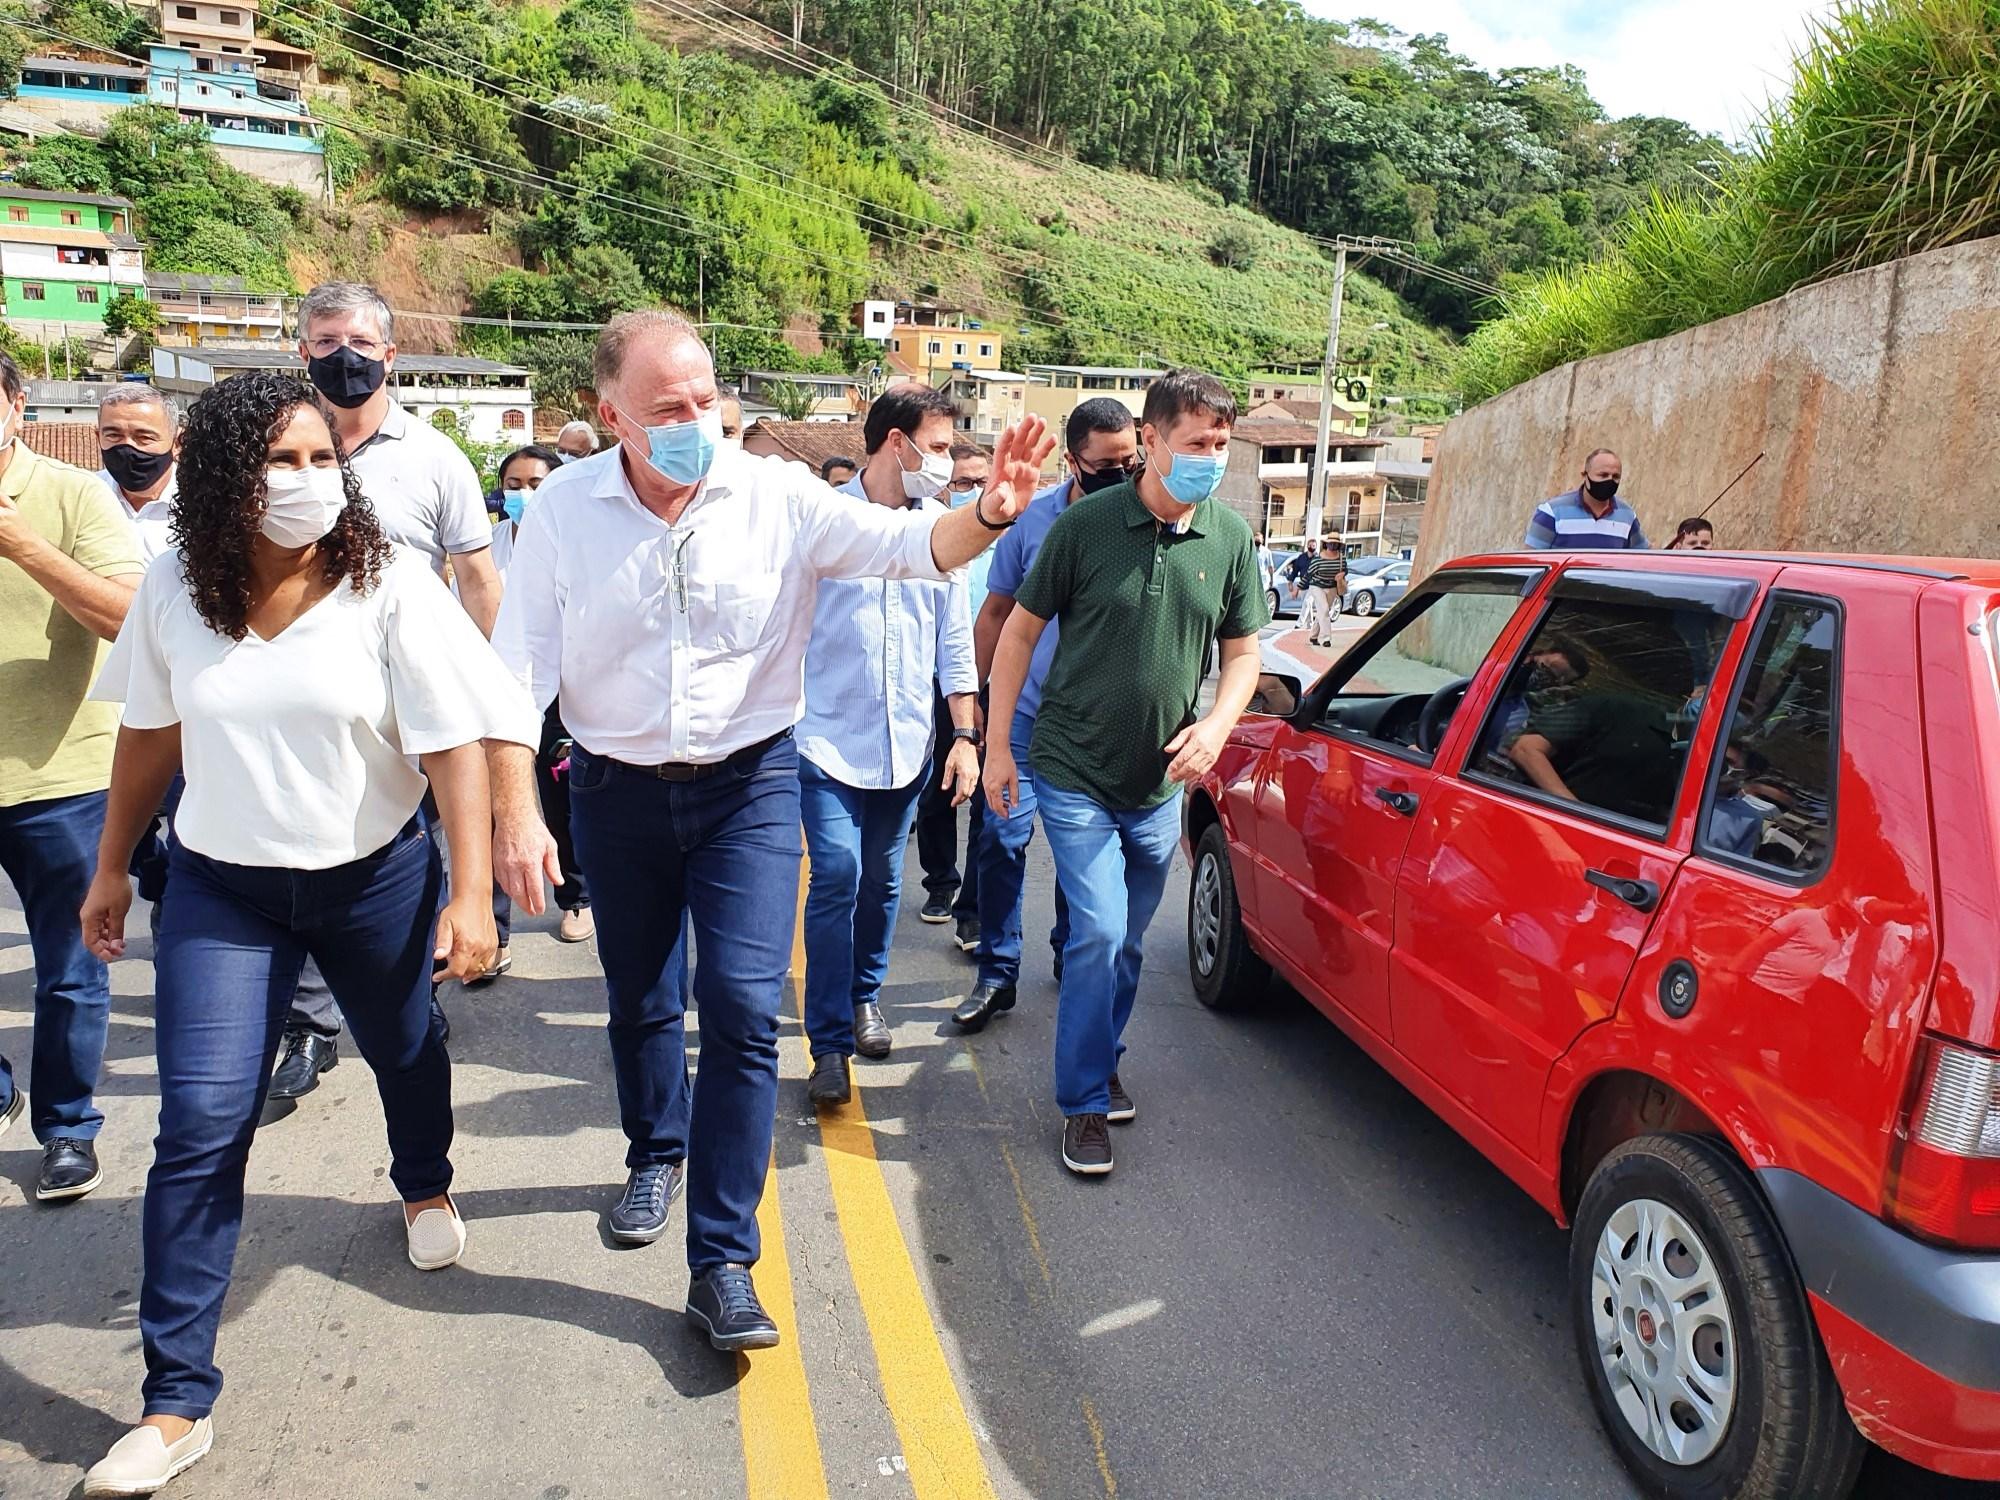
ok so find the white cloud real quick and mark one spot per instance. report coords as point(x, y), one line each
point(1713, 63)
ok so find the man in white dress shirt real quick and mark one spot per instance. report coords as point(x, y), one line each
point(138, 432)
point(426, 494)
point(881, 651)
point(666, 588)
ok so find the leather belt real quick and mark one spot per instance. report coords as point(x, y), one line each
point(682, 771)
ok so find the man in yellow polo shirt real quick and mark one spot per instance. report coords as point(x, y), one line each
point(68, 565)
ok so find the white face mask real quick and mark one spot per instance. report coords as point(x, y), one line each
point(928, 479)
point(301, 505)
point(6, 428)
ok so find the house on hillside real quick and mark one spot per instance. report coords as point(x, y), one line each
point(193, 308)
point(987, 401)
point(1054, 391)
point(1270, 478)
point(1352, 390)
point(834, 398)
point(927, 340)
point(489, 402)
point(63, 257)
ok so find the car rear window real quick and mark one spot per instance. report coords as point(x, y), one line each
point(1773, 798)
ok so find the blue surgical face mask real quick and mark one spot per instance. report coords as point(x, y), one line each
point(682, 451)
point(966, 499)
point(515, 503)
point(1191, 477)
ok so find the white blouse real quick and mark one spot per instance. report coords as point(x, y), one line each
point(300, 752)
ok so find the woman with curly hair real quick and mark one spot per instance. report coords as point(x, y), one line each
point(297, 669)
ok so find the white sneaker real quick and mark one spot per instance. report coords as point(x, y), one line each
point(142, 1461)
point(437, 1238)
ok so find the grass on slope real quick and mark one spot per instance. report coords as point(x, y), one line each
point(1115, 268)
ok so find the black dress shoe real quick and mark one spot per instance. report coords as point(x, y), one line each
point(641, 1215)
point(984, 1003)
point(69, 1170)
point(871, 1032)
point(306, 1055)
point(723, 1304)
point(829, 1083)
point(968, 934)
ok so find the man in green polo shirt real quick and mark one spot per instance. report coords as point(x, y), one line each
point(69, 563)
point(1142, 576)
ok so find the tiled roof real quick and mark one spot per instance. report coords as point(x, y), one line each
point(67, 442)
point(809, 443)
point(1289, 434)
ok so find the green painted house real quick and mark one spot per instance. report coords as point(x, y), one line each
point(63, 257)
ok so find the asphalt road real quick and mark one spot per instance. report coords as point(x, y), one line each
point(1296, 1284)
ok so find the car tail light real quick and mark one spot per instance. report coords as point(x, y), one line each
point(1946, 1183)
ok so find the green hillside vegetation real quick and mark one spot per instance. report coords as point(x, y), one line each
point(1888, 144)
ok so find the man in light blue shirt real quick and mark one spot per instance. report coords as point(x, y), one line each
point(1101, 446)
point(880, 650)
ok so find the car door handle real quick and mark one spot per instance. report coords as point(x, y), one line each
point(1403, 802)
point(1640, 895)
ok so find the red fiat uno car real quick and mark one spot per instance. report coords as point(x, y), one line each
point(1670, 881)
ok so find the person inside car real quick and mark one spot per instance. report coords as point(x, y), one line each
point(1610, 750)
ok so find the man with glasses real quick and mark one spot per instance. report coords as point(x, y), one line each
point(946, 897)
point(427, 496)
point(1101, 451)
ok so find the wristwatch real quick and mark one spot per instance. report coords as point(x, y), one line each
point(965, 734)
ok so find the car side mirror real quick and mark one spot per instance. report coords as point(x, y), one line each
point(1277, 695)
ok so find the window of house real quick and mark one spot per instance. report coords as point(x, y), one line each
point(1600, 708)
point(34, 291)
point(1065, 382)
point(936, 347)
point(985, 351)
point(184, 12)
point(232, 18)
point(17, 215)
point(958, 349)
point(1772, 800)
point(1381, 688)
point(72, 216)
point(86, 294)
point(513, 420)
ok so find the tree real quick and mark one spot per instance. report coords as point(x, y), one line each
point(126, 313)
point(795, 402)
point(65, 163)
point(562, 367)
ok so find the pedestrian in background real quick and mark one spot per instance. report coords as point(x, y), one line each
point(1298, 572)
point(69, 563)
point(298, 670)
point(838, 470)
point(137, 433)
point(948, 896)
point(576, 440)
point(1694, 534)
point(1591, 516)
point(426, 496)
point(1267, 565)
point(667, 590)
point(1327, 577)
point(1101, 452)
point(1118, 734)
point(882, 652)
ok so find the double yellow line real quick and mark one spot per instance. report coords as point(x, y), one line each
point(781, 1452)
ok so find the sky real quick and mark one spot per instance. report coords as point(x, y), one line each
point(1712, 63)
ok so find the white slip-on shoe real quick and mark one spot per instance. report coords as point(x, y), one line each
point(142, 1461)
point(437, 1238)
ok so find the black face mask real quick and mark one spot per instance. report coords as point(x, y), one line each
point(1602, 489)
point(345, 378)
point(134, 468)
point(1103, 479)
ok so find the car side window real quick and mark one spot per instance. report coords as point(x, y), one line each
point(1402, 688)
point(1601, 706)
point(1772, 802)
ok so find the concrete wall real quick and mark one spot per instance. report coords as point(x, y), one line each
point(1873, 399)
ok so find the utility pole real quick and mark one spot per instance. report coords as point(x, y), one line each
point(1316, 494)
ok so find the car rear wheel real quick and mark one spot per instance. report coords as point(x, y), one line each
point(1364, 603)
point(1272, 601)
point(1695, 1336)
point(1228, 974)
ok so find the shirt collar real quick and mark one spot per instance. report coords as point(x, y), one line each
point(395, 425)
point(159, 505)
point(20, 469)
point(1136, 514)
point(605, 472)
point(1583, 500)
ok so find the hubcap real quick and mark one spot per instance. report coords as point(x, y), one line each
point(1205, 927)
point(1665, 1331)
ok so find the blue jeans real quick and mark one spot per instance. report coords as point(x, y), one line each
point(48, 849)
point(856, 840)
point(232, 940)
point(1116, 865)
point(725, 850)
point(1002, 854)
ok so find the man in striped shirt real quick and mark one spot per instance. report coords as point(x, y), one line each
point(1591, 515)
